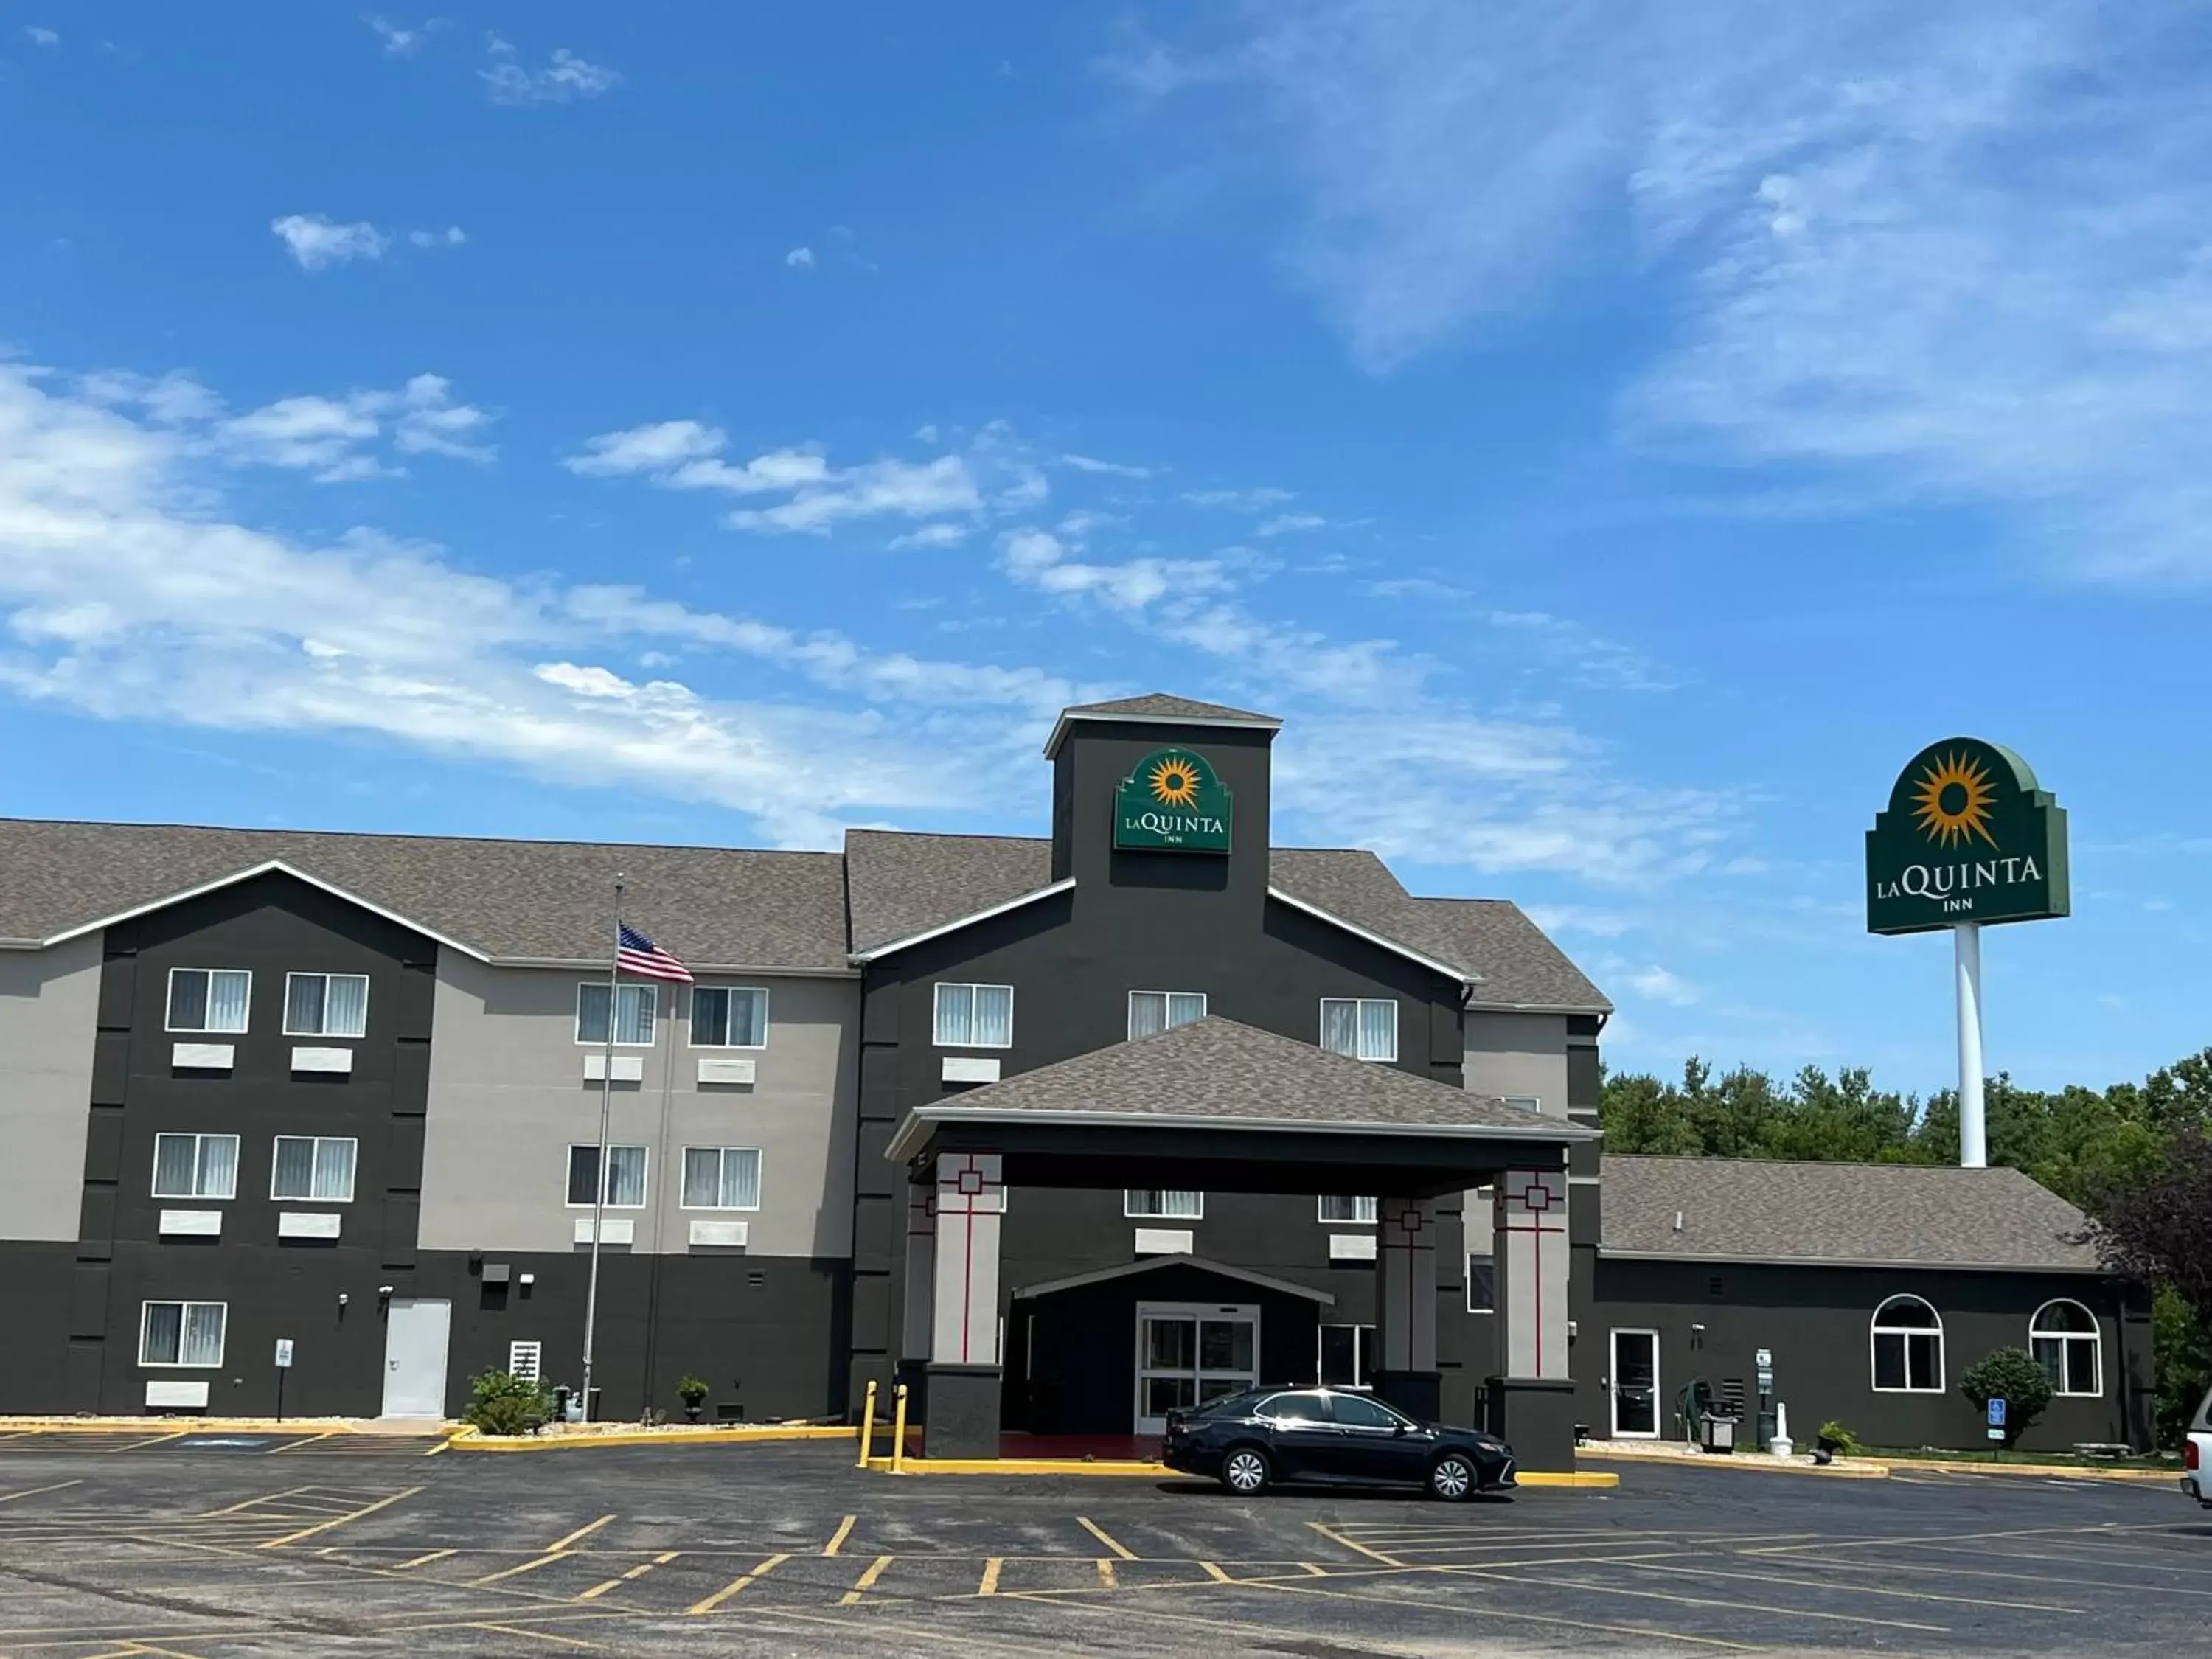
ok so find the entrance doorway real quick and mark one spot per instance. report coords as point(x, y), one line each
point(1188, 1352)
point(1635, 1385)
point(414, 1333)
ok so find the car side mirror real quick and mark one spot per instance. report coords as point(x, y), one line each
point(1398, 1428)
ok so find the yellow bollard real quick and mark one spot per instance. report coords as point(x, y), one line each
point(898, 1433)
point(868, 1423)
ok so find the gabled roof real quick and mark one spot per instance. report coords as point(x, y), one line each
point(1158, 707)
point(1888, 1214)
point(1176, 1259)
point(511, 900)
point(1217, 1072)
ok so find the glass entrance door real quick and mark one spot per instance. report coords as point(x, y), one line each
point(1635, 1385)
point(1190, 1353)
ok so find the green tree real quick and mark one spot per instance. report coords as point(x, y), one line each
point(2010, 1374)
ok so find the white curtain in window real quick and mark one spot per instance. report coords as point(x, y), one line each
point(1378, 1031)
point(994, 1015)
point(626, 1175)
point(218, 1172)
point(334, 1171)
point(187, 1000)
point(1339, 1026)
point(633, 1015)
point(1347, 1209)
point(295, 1167)
point(226, 998)
point(303, 1004)
point(157, 1343)
point(345, 1013)
point(174, 1166)
point(203, 1338)
point(703, 1177)
point(956, 1014)
point(748, 1017)
point(1166, 1206)
point(1148, 1013)
point(740, 1178)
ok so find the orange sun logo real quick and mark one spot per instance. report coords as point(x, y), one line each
point(1175, 782)
point(1953, 801)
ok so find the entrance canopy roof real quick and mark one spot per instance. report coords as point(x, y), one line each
point(1220, 1106)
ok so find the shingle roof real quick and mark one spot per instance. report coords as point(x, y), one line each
point(1521, 967)
point(1917, 1215)
point(1216, 1069)
point(902, 885)
point(1161, 705)
point(510, 899)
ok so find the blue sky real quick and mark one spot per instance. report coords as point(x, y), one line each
point(1615, 437)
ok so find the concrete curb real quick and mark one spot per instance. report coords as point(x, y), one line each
point(1854, 1470)
point(176, 1425)
point(1018, 1468)
point(2045, 1471)
point(469, 1439)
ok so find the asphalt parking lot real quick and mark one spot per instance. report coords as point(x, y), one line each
point(114, 1545)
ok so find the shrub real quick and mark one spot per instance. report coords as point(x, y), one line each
point(691, 1390)
point(1835, 1436)
point(499, 1402)
point(2010, 1374)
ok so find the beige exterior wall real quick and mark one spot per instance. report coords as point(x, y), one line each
point(1518, 1054)
point(49, 1018)
point(509, 1096)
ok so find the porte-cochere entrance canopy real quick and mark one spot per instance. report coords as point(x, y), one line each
point(1220, 1106)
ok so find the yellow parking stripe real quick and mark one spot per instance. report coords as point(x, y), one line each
point(1104, 1537)
point(424, 1560)
point(1215, 1573)
point(531, 1565)
point(33, 1491)
point(737, 1584)
point(837, 1539)
point(560, 1544)
point(866, 1581)
point(990, 1569)
point(637, 1572)
point(1105, 1573)
point(340, 1520)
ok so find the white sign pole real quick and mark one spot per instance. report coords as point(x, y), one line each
point(1973, 1134)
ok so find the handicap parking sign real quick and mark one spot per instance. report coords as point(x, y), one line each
point(1997, 1413)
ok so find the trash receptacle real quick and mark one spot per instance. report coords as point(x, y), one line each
point(591, 1407)
point(561, 1392)
point(1717, 1433)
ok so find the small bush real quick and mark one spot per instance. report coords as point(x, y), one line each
point(1839, 1437)
point(2010, 1374)
point(499, 1402)
point(691, 1390)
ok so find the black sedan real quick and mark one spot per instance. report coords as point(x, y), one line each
point(1251, 1440)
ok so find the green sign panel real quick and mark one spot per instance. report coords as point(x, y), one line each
point(1172, 803)
point(1967, 837)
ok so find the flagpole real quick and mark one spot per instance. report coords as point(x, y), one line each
point(599, 1188)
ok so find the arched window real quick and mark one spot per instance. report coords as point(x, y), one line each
point(1908, 1347)
point(2064, 1338)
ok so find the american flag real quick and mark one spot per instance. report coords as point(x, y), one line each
point(640, 956)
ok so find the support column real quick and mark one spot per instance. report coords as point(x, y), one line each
point(964, 1374)
point(1406, 1305)
point(1973, 1137)
point(1532, 1398)
point(918, 1323)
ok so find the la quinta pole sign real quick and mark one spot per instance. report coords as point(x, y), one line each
point(1968, 838)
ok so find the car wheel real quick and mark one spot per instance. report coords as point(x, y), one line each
point(1246, 1472)
point(1452, 1479)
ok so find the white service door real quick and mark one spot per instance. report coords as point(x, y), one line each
point(1635, 1385)
point(415, 1357)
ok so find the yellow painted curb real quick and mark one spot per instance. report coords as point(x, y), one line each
point(1579, 1480)
point(1018, 1466)
point(472, 1440)
point(1757, 1461)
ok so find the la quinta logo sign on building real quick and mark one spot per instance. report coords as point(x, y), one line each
point(1967, 837)
point(1172, 803)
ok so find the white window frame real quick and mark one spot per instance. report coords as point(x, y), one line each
point(184, 1314)
point(760, 1180)
point(1658, 1428)
point(1365, 1340)
point(652, 994)
point(1876, 1329)
point(1373, 1207)
point(1168, 1001)
point(1473, 1259)
point(534, 1352)
point(644, 1185)
point(2095, 1336)
point(169, 1002)
point(1129, 1211)
point(1359, 1027)
point(341, 1036)
point(691, 1020)
point(936, 996)
point(1534, 1102)
point(153, 1188)
point(352, 1171)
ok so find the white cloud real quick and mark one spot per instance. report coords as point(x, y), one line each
point(1290, 523)
point(128, 592)
point(1657, 984)
point(451, 236)
point(933, 535)
point(1949, 254)
point(562, 79)
point(1242, 501)
point(318, 243)
point(685, 455)
point(1040, 560)
point(799, 258)
point(41, 37)
point(1112, 469)
point(402, 42)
